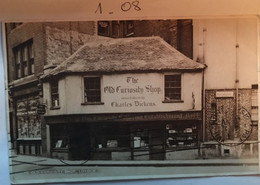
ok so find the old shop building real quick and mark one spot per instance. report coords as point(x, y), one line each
point(124, 99)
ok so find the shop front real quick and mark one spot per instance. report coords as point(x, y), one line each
point(135, 136)
point(28, 126)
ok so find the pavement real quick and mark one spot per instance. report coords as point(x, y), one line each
point(34, 169)
point(44, 161)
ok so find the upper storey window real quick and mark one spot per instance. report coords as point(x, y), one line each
point(172, 84)
point(92, 89)
point(116, 29)
point(24, 59)
point(54, 86)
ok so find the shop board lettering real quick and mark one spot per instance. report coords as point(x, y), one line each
point(133, 93)
point(163, 116)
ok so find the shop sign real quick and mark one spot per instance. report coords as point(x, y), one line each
point(41, 109)
point(120, 117)
point(224, 94)
point(133, 91)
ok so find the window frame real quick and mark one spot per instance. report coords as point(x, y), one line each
point(177, 100)
point(85, 102)
point(116, 29)
point(106, 29)
point(214, 112)
point(24, 59)
point(127, 30)
point(54, 84)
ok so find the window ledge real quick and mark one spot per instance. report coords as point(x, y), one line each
point(93, 103)
point(173, 101)
point(55, 108)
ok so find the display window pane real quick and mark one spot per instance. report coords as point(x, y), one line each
point(28, 121)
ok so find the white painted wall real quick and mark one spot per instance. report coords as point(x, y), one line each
point(71, 91)
point(215, 42)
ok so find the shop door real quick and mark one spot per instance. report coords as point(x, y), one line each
point(80, 143)
point(157, 149)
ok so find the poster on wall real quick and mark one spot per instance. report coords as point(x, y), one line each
point(28, 122)
point(119, 99)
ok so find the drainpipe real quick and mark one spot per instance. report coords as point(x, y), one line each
point(237, 80)
point(203, 86)
point(258, 61)
point(203, 93)
point(237, 86)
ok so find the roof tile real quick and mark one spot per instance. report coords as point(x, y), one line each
point(126, 55)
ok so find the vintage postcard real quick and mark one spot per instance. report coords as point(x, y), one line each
point(132, 99)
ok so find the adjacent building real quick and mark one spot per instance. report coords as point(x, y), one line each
point(229, 49)
point(31, 49)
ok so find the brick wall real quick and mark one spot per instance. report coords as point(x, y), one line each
point(62, 43)
point(49, 47)
point(21, 34)
point(72, 35)
point(166, 29)
point(229, 128)
point(178, 33)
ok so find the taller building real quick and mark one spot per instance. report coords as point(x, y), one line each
point(229, 49)
point(31, 49)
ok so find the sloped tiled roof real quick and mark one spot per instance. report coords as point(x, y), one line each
point(126, 55)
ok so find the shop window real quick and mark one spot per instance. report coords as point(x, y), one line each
point(172, 84)
point(181, 135)
point(140, 137)
point(24, 59)
point(112, 137)
point(59, 136)
point(92, 89)
point(28, 121)
point(54, 93)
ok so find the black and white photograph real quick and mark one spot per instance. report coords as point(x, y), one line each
point(132, 99)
